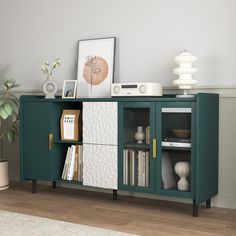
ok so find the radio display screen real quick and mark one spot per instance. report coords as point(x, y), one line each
point(129, 86)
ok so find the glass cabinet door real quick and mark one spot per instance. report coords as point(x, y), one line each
point(176, 135)
point(136, 140)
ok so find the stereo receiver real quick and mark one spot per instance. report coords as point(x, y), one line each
point(136, 89)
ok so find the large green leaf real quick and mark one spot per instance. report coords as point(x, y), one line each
point(11, 135)
point(3, 112)
point(8, 108)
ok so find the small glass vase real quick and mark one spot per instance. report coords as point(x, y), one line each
point(139, 135)
point(50, 88)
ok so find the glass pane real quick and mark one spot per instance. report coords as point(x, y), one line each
point(136, 153)
point(176, 149)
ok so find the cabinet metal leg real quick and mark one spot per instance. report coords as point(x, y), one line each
point(195, 209)
point(208, 203)
point(114, 194)
point(34, 186)
point(54, 184)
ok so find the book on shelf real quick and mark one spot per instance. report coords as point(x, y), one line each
point(136, 167)
point(64, 173)
point(147, 135)
point(168, 179)
point(75, 176)
point(80, 163)
point(72, 169)
point(176, 142)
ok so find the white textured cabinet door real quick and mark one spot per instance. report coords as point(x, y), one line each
point(100, 122)
point(100, 166)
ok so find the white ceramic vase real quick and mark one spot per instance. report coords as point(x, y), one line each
point(182, 169)
point(185, 71)
point(4, 175)
point(139, 135)
point(50, 88)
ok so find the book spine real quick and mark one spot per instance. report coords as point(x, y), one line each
point(71, 164)
point(65, 170)
point(147, 170)
point(124, 165)
point(80, 166)
point(75, 176)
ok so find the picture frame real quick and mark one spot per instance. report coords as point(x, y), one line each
point(95, 74)
point(69, 88)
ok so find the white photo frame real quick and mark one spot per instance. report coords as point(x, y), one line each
point(95, 67)
point(69, 88)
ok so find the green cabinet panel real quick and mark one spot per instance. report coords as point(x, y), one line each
point(36, 125)
point(207, 146)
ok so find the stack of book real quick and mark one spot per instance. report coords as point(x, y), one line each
point(136, 168)
point(176, 142)
point(73, 167)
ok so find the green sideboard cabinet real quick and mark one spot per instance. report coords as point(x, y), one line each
point(126, 159)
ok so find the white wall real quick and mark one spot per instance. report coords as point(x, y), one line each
point(150, 33)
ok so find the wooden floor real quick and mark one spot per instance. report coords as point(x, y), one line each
point(128, 214)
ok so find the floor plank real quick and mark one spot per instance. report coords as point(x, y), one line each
point(128, 214)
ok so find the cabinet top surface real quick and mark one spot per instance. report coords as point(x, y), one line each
point(165, 98)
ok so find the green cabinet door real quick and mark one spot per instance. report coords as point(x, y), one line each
point(172, 149)
point(37, 122)
point(136, 163)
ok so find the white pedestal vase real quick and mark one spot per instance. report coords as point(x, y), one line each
point(185, 72)
point(182, 169)
point(50, 88)
point(4, 175)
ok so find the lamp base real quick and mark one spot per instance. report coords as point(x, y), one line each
point(185, 95)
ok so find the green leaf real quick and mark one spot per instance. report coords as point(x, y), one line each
point(11, 135)
point(3, 113)
point(8, 108)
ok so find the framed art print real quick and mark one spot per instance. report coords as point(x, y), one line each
point(95, 67)
point(69, 89)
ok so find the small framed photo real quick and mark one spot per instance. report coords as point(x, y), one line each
point(69, 89)
point(95, 67)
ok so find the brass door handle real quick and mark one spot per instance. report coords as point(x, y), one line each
point(154, 148)
point(50, 141)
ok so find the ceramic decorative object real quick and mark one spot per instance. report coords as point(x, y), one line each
point(185, 71)
point(50, 86)
point(139, 135)
point(4, 175)
point(182, 169)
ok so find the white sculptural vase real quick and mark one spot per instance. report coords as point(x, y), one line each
point(182, 169)
point(185, 72)
point(139, 135)
point(50, 88)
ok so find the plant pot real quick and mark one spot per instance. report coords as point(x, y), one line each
point(4, 175)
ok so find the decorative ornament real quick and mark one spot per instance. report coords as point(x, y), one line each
point(185, 71)
point(50, 86)
point(139, 135)
point(182, 169)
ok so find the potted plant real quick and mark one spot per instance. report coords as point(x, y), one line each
point(9, 120)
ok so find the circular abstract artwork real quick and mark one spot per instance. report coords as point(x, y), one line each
point(95, 70)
